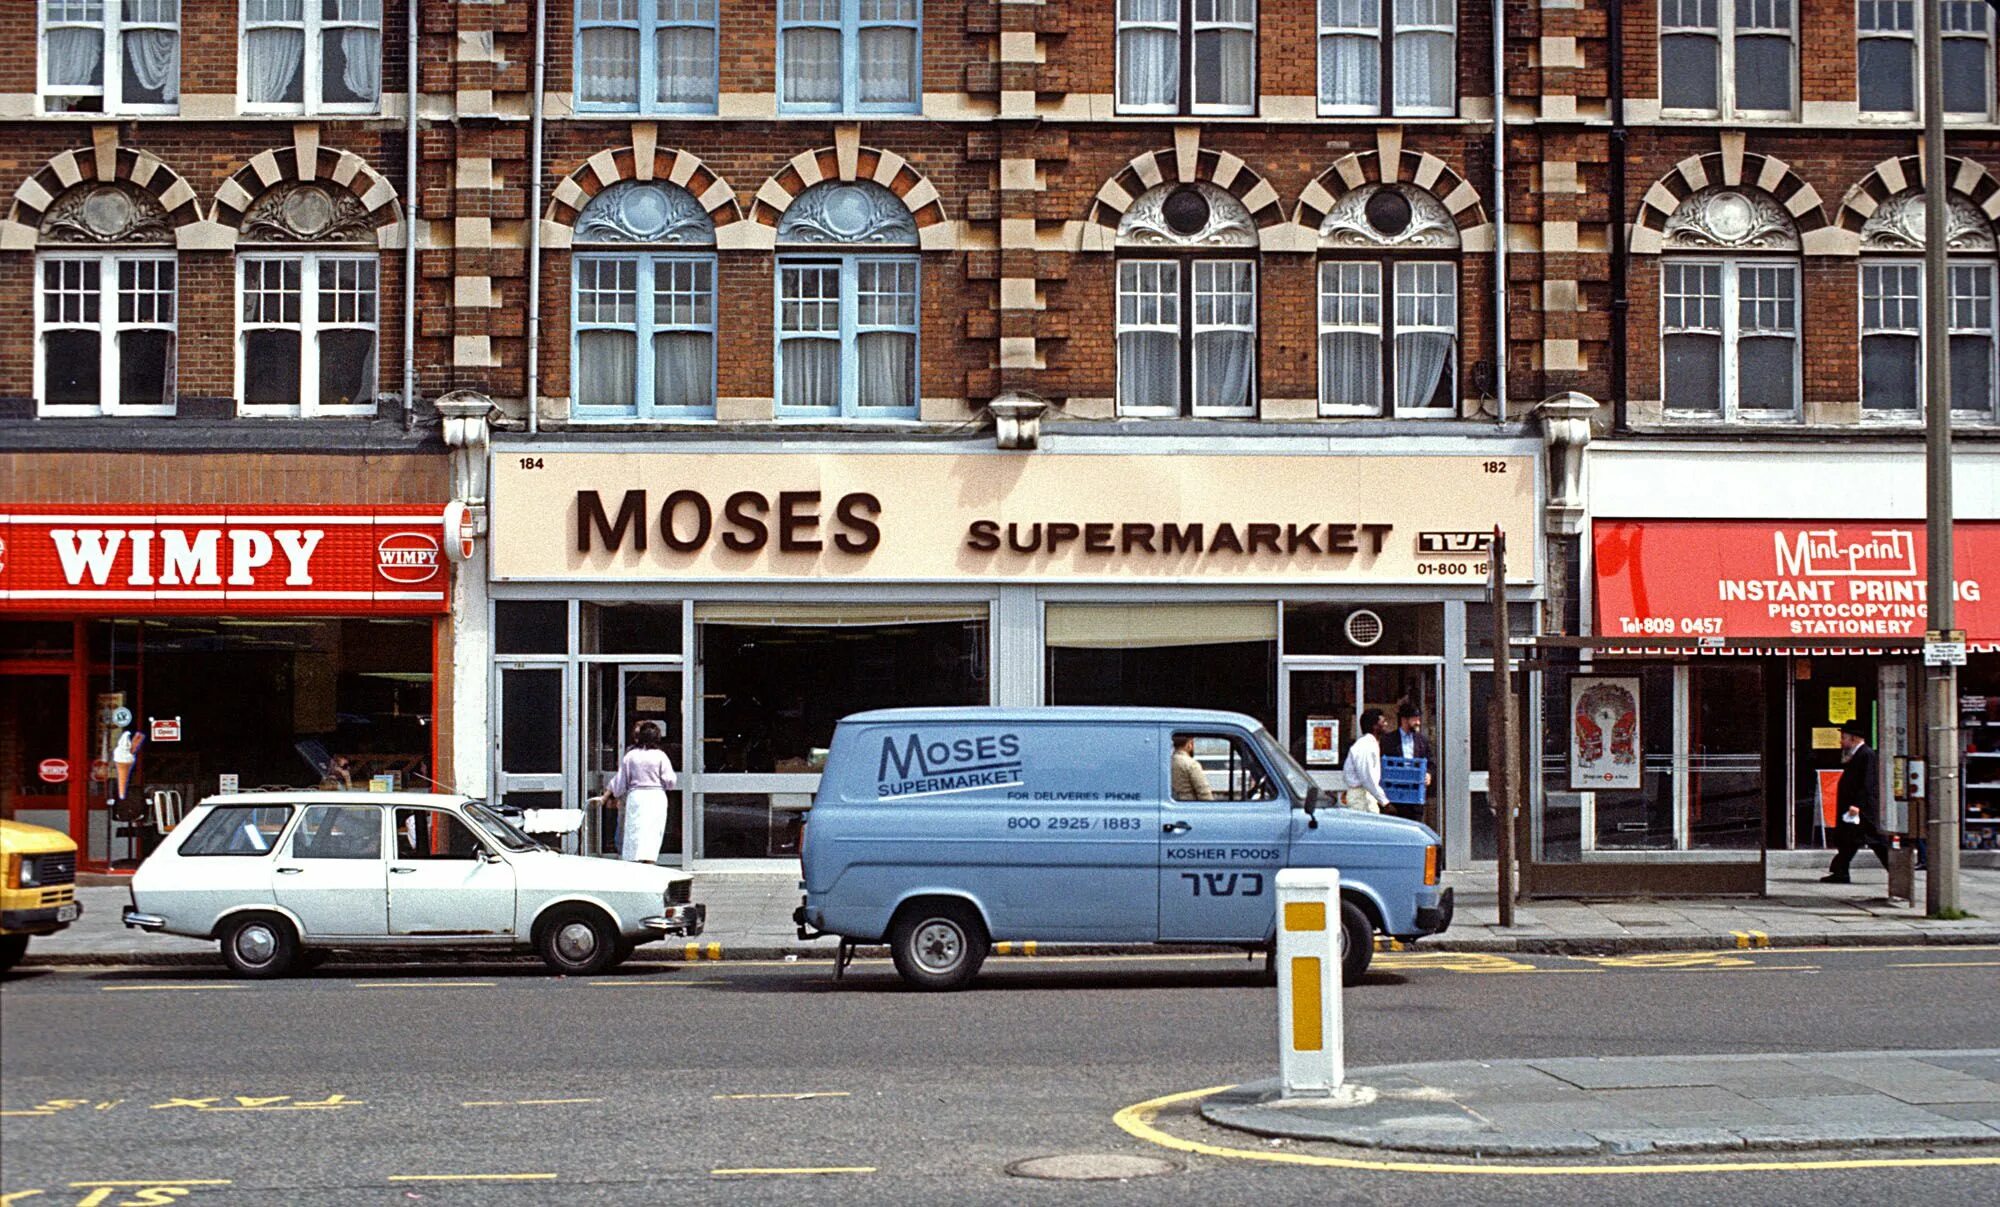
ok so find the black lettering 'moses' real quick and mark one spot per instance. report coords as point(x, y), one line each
point(591, 521)
point(704, 521)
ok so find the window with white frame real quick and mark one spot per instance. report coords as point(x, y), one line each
point(644, 318)
point(1388, 56)
point(1887, 62)
point(1388, 304)
point(847, 320)
point(312, 56)
point(105, 341)
point(1728, 58)
point(308, 333)
point(850, 56)
point(1187, 56)
point(1186, 326)
point(1729, 337)
point(111, 56)
point(648, 56)
point(1892, 324)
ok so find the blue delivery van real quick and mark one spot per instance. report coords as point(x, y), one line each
point(940, 830)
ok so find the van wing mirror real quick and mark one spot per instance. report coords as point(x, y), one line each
point(1311, 805)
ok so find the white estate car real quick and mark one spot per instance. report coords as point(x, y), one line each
point(279, 878)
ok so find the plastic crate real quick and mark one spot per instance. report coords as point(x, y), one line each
point(1403, 780)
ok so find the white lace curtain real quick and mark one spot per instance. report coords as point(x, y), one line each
point(1149, 370)
point(811, 372)
point(606, 368)
point(812, 66)
point(687, 65)
point(76, 56)
point(361, 63)
point(1149, 54)
point(273, 61)
point(888, 64)
point(1421, 359)
point(683, 369)
point(887, 366)
point(610, 64)
point(154, 59)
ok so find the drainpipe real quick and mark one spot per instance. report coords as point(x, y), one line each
point(535, 218)
point(1620, 258)
point(1500, 204)
point(410, 273)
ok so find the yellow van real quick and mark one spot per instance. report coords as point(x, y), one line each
point(37, 886)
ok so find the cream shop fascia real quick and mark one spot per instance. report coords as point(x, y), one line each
point(746, 600)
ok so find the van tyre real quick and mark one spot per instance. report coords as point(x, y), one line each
point(1357, 943)
point(938, 946)
point(12, 948)
point(577, 941)
point(261, 946)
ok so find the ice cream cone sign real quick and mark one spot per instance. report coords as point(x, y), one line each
point(123, 758)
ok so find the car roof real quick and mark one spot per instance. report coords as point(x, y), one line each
point(1058, 712)
point(326, 796)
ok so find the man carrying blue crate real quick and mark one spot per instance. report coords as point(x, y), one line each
point(1407, 768)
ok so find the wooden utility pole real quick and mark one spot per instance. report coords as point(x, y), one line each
point(1500, 743)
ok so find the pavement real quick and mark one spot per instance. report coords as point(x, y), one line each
point(750, 917)
point(1622, 1106)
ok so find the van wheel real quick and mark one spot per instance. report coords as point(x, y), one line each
point(938, 945)
point(260, 945)
point(576, 941)
point(1357, 943)
point(12, 948)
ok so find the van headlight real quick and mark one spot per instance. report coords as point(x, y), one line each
point(31, 872)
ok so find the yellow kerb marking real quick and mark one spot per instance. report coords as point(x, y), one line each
point(1028, 948)
point(715, 951)
point(1305, 915)
point(1306, 1033)
point(1003, 948)
point(1137, 1120)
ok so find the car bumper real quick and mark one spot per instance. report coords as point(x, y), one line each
point(45, 920)
point(688, 920)
point(1435, 919)
point(138, 921)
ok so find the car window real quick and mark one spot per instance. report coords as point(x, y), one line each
point(238, 830)
point(1295, 775)
point(339, 832)
point(1223, 769)
point(434, 834)
point(505, 832)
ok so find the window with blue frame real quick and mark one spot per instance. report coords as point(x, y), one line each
point(646, 56)
point(643, 316)
point(847, 305)
point(850, 56)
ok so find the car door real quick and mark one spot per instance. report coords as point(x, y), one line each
point(440, 879)
point(330, 872)
point(1219, 857)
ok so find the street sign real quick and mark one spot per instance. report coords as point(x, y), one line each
point(165, 729)
point(1944, 653)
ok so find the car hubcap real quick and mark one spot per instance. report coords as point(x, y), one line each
point(256, 944)
point(939, 946)
point(576, 942)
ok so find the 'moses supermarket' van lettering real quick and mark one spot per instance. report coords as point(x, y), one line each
point(915, 766)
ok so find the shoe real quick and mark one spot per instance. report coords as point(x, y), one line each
point(1835, 880)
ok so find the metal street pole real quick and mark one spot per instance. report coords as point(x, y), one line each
point(1941, 885)
point(1500, 730)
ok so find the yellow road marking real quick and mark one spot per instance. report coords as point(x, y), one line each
point(25, 1114)
point(789, 1097)
point(472, 1177)
point(1952, 964)
point(536, 1102)
point(1137, 1120)
point(1671, 959)
point(806, 1169)
point(17, 1196)
point(163, 988)
point(424, 985)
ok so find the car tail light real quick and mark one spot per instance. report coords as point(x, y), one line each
point(1433, 863)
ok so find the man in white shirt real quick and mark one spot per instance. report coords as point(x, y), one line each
point(1364, 765)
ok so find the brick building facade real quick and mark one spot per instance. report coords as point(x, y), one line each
point(1105, 227)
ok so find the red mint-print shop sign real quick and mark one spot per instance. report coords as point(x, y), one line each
point(313, 560)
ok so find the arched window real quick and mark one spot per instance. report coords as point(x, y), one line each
point(1729, 308)
point(847, 304)
point(309, 321)
point(644, 315)
point(105, 312)
point(1187, 304)
point(1388, 279)
point(1892, 309)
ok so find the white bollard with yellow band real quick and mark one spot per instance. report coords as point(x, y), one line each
point(1311, 1059)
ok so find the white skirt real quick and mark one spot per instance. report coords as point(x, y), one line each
point(645, 825)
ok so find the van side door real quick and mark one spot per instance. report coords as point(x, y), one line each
point(1225, 826)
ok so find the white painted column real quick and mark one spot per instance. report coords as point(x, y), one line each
point(1311, 1049)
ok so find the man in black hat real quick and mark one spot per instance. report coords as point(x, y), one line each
point(1854, 803)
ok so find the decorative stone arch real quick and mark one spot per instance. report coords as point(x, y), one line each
point(106, 163)
point(640, 162)
point(1745, 172)
point(342, 175)
point(1969, 183)
point(1187, 162)
point(1395, 166)
point(851, 162)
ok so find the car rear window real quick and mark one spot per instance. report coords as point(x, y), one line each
point(238, 830)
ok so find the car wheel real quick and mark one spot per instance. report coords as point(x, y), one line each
point(577, 942)
point(939, 945)
point(12, 948)
point(624, 952)
point(260, 945)
point(1357, 943)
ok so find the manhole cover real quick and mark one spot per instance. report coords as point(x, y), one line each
point(1091, 1167)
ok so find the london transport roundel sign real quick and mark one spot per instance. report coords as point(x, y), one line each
point(53, 771)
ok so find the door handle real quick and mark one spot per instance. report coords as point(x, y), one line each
point(1175, 827)
point(401, 871)
point(290, 871)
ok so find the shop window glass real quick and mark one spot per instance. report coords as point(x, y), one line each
point(37, 639)
point(531, 726)
point(238, 830)
point(539, 626)
point(339, 832)
point(752, 825)
point(1725, 758)
point(1479, 626)
point(632, 628)
point(1188, 656)
point(1373, 629)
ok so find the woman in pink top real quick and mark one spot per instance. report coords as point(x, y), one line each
point(644, 778)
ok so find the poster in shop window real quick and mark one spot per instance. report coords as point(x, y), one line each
point(1604, 747)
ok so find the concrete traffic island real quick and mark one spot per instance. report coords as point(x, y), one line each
point(1632, 1105)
